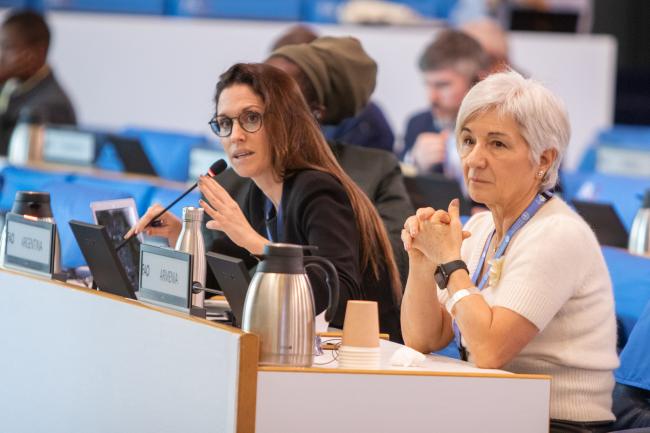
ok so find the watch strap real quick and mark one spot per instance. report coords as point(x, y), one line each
point(444, 271)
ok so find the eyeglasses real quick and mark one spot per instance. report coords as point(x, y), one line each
point(250, 121)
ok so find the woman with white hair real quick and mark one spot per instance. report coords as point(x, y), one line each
point(523, 287)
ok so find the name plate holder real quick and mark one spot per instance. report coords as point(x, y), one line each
point(165, 278)
point(29, 245)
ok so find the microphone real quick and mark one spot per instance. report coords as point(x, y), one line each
point(215, 169)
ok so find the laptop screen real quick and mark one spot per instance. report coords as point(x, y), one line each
point(604, 221)
point(118, 216)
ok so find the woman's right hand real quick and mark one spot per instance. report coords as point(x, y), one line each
point(417, 260)
point(170, 226)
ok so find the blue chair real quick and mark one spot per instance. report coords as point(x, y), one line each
point(164, 196)
point(168, 151)
point(571, 182)
point(25, 179)
point(140, 191)
point(624, 193)
point(631, 283)
point(624, 137)
point(632, 393)
point(72, 201)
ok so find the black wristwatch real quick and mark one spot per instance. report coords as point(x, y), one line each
point(444, 271)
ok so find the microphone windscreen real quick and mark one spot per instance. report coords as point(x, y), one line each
point(217, 167)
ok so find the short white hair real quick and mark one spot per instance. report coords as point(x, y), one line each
point(541, 116)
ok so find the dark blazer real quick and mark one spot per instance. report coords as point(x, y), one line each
point(417, 124)
point(379, 175)
point(369, 128)
point(316, 211)
point(46, 101)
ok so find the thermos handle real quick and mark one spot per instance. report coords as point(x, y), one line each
point(331, 279)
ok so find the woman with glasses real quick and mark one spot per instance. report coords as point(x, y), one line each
point(299, 193)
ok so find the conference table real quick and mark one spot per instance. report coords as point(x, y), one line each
point(79, 360)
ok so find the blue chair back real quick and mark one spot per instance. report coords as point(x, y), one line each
point(72, 201)
point(25, 179)
point(624, 193)
point(168, 151)
point(164, 196)
point(631, 283)
point(140, 191)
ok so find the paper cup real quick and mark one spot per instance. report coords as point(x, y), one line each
point(361, 324)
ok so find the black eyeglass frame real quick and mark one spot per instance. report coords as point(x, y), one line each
point(214, 125)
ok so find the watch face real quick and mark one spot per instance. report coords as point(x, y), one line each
point(441, 281)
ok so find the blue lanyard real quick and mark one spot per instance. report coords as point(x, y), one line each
point(525, 216)
point(273, 221)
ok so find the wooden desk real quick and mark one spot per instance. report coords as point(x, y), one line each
point(443, 395)
point(75, 360)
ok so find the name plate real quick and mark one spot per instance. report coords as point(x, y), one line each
point(29, 245)
point(165, 277)
point(69, 146)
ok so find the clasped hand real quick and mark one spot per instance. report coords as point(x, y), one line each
point(434, 236)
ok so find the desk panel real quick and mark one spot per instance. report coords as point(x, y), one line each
point(75, 360)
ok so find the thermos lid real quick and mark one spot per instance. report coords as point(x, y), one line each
point(32, 197)
point(646, 199)
point(33, 203)
point(283, 250)
point(191, 213)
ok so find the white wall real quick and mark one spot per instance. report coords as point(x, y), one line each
point(161, 72)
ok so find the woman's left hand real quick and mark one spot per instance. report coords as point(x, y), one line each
point(440, 234)
point(228, 217)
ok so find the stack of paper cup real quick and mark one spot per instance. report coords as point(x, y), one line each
point(360, 346)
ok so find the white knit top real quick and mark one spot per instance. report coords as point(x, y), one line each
point(554, 275)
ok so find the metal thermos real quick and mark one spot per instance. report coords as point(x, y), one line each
point(37, 205)
point(639, 242)
point(26, 141)
point(191, 241)
point(279, 305)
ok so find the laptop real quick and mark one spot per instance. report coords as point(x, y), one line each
point(233, 278)
point(97, 248)
point(131, 153)
point(435, 191)
point(604, 221)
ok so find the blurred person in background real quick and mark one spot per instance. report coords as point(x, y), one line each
point(29, 87)
point(368, 128)
point(337, 77)
point(494, 41)
point(450, 66)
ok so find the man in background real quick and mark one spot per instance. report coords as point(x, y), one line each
point(450, 65)
point(29, 88)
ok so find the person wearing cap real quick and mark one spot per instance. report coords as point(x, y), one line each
point(29, 87)
point(368, 128)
